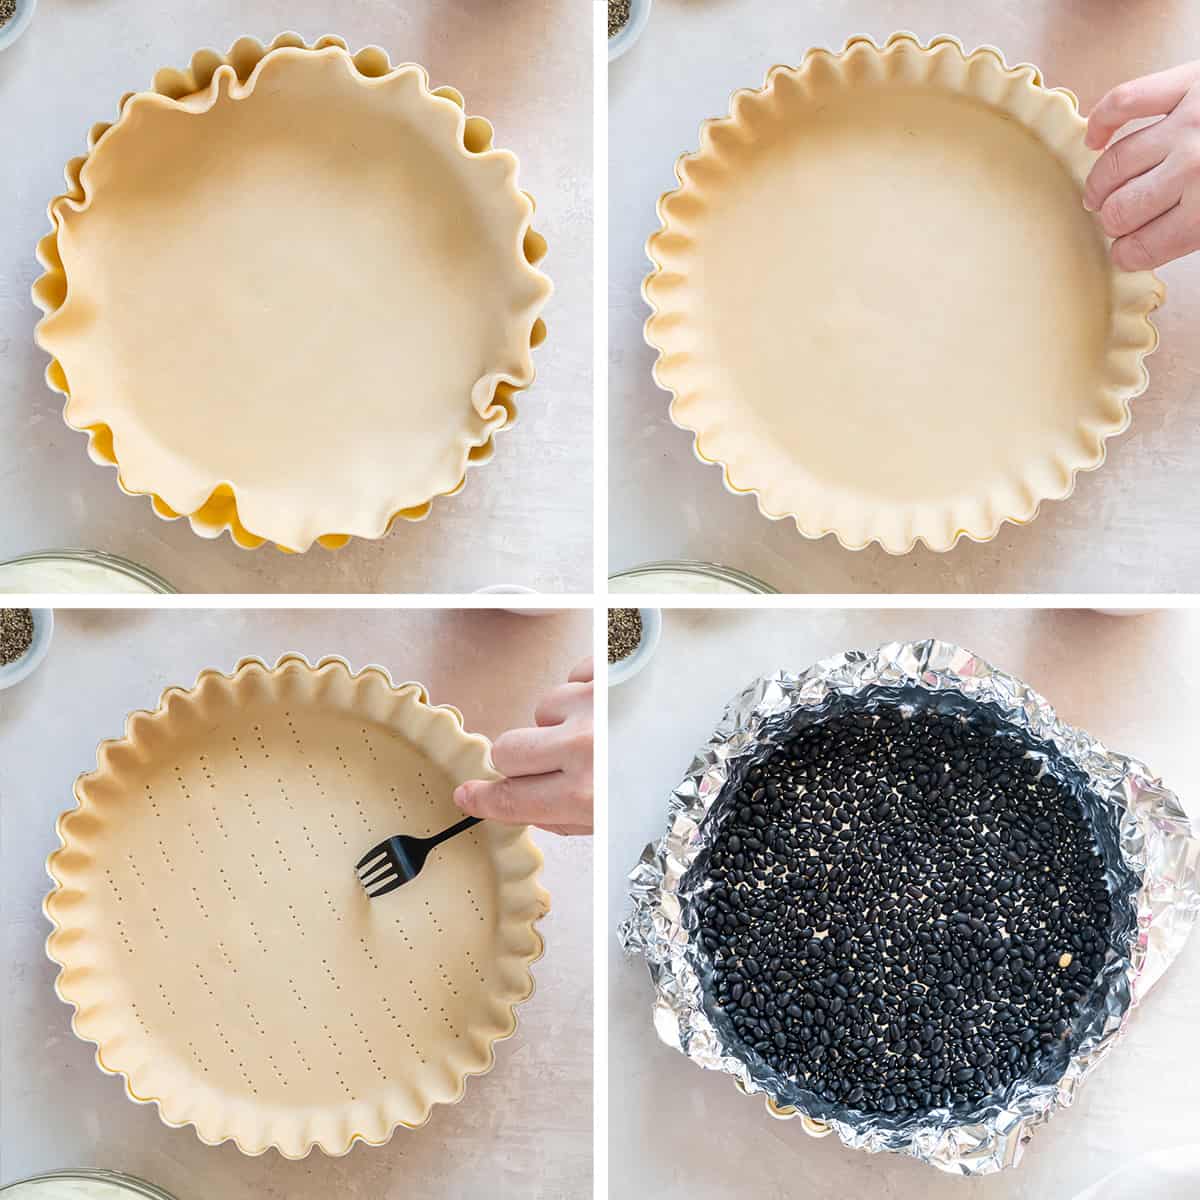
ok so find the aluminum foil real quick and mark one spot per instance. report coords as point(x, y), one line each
point(1150, 850)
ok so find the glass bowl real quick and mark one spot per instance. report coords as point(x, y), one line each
point(83, 1185)
point(687, 575)
point(78, 572)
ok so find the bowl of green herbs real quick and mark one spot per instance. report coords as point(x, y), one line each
point(15, 18)
point(25, 635)
point(627, 20)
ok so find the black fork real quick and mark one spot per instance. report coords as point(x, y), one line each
point(398, 860)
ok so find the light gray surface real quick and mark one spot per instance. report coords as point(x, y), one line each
point(525, 517)
point(524, 1130)
point(1122, 679)
point(1113, 535)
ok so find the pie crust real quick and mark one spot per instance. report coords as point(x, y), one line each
point(291, 292)
point(879, 304)
point(217, 946)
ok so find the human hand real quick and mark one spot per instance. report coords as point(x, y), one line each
point(1146, 185)
point(548, 770)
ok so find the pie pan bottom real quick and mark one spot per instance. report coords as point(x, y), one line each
point(214, 939)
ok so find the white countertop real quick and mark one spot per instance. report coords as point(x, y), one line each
point(525, 517)
point(524, 1130)
point(1111, 536)
point(678, 1132)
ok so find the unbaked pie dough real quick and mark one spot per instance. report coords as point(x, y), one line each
point(880, 304)
point(215, 940)
point(291, 293)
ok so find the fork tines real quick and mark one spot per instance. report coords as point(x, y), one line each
point(378, 870)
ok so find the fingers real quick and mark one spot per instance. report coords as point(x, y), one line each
point(1165, 238)
point(1125, 159)
point(536, 751)
point(563, 702)
point(548, 770)
point(1150, 96)
point(532, 800)
point(1141, 200)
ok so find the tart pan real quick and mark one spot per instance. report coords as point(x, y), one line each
point(213, 937)
point(1149, 846)
point(291, 292)
point(879, 304)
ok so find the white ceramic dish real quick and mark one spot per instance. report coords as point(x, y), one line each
point(627, 668)
point(639, 18)
point(17, 23)
point(43, 630)
point(515, 589)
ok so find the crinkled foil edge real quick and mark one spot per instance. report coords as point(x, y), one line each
point(1157, 843)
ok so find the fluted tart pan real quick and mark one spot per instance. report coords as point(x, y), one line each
point(213, 938)
point(879, 304)
point(291, 292)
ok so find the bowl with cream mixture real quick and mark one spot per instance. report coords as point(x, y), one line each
point(83, 1185)
point(78, 572)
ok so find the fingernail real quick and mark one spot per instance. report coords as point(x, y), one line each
point(460, 795)
point(1087, 204)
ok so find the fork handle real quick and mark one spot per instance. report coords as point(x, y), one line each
point(461, 827)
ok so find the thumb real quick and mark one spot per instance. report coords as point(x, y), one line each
point(530, 800)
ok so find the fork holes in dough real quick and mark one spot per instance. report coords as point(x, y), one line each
point(227, 792)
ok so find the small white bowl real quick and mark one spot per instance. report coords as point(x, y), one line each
point(43, 630)
point(639, 18)
point(17, 23)
point(515, 589)
point(627, 668)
